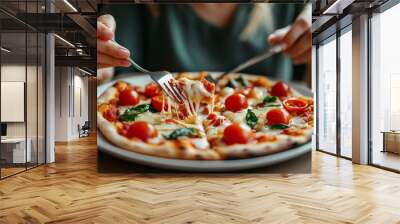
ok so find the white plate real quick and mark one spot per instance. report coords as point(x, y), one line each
point(196, 165)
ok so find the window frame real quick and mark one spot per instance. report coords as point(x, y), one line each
point(381, 9)
point(333, 37)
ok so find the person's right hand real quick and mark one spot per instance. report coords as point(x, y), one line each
point(109, 54)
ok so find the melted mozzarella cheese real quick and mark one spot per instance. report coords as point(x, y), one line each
point(225, 92)
point(200, 143)
point(107, 95)
point(196, 93)
point(237, 117)
point(213, 132)
point(267, 130)
point(260, 93)
point(195, 90)
point(122, 109)
point(298, 122)
point(150, 117)
point(166, 128)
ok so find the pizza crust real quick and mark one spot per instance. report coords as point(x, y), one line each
point(167, 149)
point(284, 142)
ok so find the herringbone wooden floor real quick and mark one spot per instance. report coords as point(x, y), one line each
point(71, 191)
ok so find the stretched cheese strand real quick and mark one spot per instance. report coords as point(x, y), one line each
point(196, 92)
point(211, 110)
point(187, 107)
point(163, 105)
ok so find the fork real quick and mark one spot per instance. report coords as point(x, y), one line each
point(165, 80)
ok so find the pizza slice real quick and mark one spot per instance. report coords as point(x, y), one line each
point(263, 119)
point(129, 119)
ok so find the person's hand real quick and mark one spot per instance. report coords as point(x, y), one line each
point(109, 54)
point(295, 39)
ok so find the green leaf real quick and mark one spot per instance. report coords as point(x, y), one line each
point(251, 118)
point(131, 113)
point(278, 126)
point(270, 99)
point(128, 117)
point(180, 132)
point(273, 105)
point(141, 108)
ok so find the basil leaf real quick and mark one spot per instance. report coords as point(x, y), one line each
point(180, 132)
point(151, 109)
point(141, 108)
point(273, 105)
point(278, 126)
point(251, 118)
point(131, 113)
point(243, 81)
point(128, 117)
point(270, 99)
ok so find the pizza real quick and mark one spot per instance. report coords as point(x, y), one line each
point(242, 116)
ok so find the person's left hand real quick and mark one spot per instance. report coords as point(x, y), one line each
point(295, 39)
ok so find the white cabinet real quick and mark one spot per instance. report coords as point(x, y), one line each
point(16, 147)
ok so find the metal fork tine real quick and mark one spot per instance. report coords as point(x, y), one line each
point(171, 93)
point(183, 96)
point(165, 89)
point(177, 90)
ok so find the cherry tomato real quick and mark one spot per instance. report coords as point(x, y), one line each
point(157, 102)
point(295, 105)
point(205, 110)
point(141, 130)
point(215, 120)
point(280, 89)
point(234, 134)
point(211, 116)
point(111, 114)
point(236, 102)
point(152, 89)
point(208, 85)
point(128, 97)
point(277, 116)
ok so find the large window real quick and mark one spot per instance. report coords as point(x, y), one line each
point(22, 93)
point(385, 89)
point(346, 93)
point(334, 136)
point(326, 102)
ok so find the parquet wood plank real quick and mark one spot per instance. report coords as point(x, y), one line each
point(71, 191)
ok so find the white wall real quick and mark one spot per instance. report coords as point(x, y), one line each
point(71, 94)
point(33, 127)
point(17, 73)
